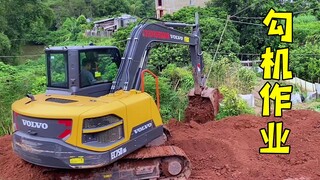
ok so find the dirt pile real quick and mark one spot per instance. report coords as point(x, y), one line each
point(227, 149)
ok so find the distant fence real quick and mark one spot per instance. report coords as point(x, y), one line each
point(99, 33)
point(305, 85)
point(250, 63)
point(313, 89)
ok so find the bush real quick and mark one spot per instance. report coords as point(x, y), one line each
point(175, 82)
point(180, 78)
point(15, 83)
point(232, 74)
point(317, 108)
point(172, 103)
point(232, 104)
point(247, 79)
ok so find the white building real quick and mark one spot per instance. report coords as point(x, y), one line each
point(170, 6)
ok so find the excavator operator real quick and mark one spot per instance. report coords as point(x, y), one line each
point(87, 77)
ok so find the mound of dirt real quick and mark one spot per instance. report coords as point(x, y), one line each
point(226, 149)
point(229, 149)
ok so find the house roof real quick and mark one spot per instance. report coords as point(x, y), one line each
point(103, 20)
point(124, 16)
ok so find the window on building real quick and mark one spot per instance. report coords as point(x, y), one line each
point(161, 13)
point(159, 2)
point(191, 3)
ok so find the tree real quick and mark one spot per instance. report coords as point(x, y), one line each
point(69, 8)
point(18, 19)
point(306, 29)
point(212, 21)
point(120, 37)
point(142, 8)
point(305, 62)
point(110, 7)
point(72, 29)
point(248, 15)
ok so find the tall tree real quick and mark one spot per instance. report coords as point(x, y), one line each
point(110, 7)
point(17, 20)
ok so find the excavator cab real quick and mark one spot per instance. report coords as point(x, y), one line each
point(81, 70)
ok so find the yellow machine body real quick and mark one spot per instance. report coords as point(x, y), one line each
point(133, 109)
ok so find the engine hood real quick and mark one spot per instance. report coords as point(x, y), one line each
point(55, 106)
point(70, 106)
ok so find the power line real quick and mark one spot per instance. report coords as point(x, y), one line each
point(19, 39)
point(305, 11)
point(253, 54)
point(225, 27)
point(34, 55)
point(248, 23)
point(248, 17)
point(247, 8)
point(121, 41)
point(240, 22)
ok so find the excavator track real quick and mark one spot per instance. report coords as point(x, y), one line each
point(172, 162)
point(157, 162)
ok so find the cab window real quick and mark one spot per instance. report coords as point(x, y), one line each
point(98, 66)
point(57, 70)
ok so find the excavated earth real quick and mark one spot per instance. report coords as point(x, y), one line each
point(199, 110)
point(225, 149)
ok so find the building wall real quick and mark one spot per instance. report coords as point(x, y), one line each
point(170, 6)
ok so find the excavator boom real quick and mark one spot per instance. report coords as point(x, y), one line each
point(135, 57)
point(142, 37)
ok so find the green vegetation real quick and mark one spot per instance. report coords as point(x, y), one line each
point(58, 22)
point(232, 104)
point(15, 83)
point(233, 74)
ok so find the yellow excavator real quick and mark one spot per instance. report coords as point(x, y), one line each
point(96, 115)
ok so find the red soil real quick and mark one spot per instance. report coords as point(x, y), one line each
point(199, 109)
point(203, 109)
point(12, 167)
point(227, 149)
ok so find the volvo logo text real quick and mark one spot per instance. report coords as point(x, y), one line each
point(176, 37)
point(142, 128)
point(35, 124)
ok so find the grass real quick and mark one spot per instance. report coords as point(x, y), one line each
point(312, 105)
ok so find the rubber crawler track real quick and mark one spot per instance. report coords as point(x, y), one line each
point(162, 152)
point(141, 158)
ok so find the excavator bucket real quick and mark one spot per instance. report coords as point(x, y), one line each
point(203, 104)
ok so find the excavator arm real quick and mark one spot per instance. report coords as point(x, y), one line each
point(142, 37)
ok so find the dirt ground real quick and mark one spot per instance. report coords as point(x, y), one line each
point(226, 149)
point(229, 149)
